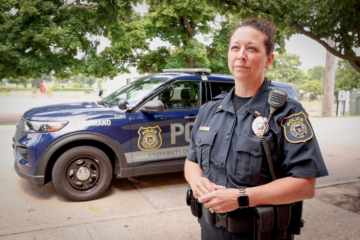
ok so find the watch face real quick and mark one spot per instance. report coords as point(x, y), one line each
point(243, 201)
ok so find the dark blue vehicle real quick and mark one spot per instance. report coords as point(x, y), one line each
point(142, 128)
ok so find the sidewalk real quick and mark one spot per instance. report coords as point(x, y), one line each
point(322, 221)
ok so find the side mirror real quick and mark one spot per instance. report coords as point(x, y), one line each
point(123, 104)
point(100, 92)
point(153, 106)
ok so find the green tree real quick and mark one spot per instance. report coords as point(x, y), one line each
point(79, 81)
point(89, 80)
point(178, 25)
point(20, 80)
point(316, 73)
point(41, 36)
point(287, 70)
point(35, 82)
point(313, 87)
point(314, 83)
point(346, 77)
point(318, 20)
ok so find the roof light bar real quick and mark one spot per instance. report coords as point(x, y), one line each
point(189, 70)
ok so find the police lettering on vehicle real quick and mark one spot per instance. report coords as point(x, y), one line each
point(180, 131)
point(94, 123)
point(296, 128)
point(149, 138)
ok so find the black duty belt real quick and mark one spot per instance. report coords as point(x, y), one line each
point(223, 220)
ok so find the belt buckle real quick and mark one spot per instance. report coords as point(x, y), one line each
point(221, 220)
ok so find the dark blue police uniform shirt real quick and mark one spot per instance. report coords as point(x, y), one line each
point(230, 154)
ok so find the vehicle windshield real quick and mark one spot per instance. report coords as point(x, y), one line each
point(134, 91)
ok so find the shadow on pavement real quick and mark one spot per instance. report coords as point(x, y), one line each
point(345, 196)
point(117, 184)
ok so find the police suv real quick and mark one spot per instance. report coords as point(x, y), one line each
point(142, 128)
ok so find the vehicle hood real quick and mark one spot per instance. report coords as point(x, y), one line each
point(67, 111)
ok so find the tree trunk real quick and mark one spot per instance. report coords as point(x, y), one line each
point(190, 62)
point(328, 82)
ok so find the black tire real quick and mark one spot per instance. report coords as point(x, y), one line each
point(82, 173)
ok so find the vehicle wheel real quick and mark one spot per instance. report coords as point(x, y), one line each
point(82, 173)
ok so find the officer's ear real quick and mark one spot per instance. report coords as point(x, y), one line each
point(269, 60)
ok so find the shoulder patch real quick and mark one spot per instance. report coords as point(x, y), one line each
point(296, 128)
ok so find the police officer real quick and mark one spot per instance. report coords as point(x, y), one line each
point(226, 166)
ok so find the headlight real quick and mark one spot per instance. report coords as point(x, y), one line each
point(43, 127)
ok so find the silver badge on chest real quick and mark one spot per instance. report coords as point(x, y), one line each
point(258, 125)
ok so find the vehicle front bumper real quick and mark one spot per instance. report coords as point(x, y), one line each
point(38, 179)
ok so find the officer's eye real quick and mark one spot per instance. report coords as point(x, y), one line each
point(252, 48)
point(234, 48)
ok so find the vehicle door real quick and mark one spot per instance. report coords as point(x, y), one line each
point(217, 88)
point(162, 136)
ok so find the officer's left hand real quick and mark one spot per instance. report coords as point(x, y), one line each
point(221, 201)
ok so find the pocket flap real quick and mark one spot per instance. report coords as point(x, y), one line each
point(205, 137)
point(251, 145)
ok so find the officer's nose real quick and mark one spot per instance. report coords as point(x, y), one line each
point(241, 55)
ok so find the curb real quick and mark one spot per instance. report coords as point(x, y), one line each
point(336, 183)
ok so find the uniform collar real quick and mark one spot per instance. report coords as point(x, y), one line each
point(257, 103)
point(227, 104)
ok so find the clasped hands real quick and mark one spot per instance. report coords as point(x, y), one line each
point(219, 198)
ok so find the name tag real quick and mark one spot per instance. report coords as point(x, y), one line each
point(204, 128)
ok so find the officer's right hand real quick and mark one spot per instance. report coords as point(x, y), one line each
point(204, 186)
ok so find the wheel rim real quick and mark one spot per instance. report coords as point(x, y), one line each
point(83, 174)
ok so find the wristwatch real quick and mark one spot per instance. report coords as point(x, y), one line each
point(243, 199)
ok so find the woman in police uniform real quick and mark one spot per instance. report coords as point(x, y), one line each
point(226, 166)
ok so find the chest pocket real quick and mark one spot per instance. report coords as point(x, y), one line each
point(249, 160)
point(204, 142)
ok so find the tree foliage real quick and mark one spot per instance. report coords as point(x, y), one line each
point(81, 81)
point(316, 73)
point(286, 69)
point(318, 20)
point(179, 25)
point(19, 81)
point(346, 77)
point(59, 36)
point(40, 36)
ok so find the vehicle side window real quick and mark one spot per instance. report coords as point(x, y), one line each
point(180, 96)
point(217, 88)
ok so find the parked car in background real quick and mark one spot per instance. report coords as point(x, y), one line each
point(142, 128)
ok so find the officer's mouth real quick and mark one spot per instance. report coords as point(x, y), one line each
point(241, 67)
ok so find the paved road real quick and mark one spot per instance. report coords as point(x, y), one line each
point(12, 108)
point(153, 207)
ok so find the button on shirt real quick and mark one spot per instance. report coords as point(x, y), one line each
point(230, 154)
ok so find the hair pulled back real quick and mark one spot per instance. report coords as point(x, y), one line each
point(263, 25)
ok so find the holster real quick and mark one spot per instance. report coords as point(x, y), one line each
point(277, 222)
point(191, 201)
point(296, 222)
point(263, 222)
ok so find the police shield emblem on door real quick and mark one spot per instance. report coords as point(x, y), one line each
point(149, 138)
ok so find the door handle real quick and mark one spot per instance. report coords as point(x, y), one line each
point(190, 117)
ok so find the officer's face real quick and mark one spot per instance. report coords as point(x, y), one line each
point(247, 56)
